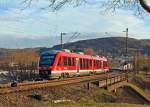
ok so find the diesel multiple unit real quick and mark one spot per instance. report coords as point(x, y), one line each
point(58, 64)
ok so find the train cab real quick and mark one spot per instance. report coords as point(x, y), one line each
point(46, 62)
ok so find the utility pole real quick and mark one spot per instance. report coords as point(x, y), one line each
point(126, 44)
point(61, 39)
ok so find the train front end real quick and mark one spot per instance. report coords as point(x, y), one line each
point(46, 62)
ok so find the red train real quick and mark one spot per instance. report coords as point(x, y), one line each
point(57, 64)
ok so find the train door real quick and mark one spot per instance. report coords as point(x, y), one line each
point(77, 65)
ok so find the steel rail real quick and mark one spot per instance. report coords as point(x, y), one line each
point(52, 83)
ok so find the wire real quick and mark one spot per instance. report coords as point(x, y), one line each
point(71, 37)
point(74, 36)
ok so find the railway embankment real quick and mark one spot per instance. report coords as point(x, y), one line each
point(139, 93)
point(78, 93)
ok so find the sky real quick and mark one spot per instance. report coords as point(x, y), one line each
point(36, 23)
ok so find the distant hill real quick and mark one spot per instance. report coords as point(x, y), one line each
point(110, 45)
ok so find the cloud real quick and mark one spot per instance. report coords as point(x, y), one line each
point(91, 20)
point(35, 23)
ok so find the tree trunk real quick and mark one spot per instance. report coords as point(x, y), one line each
point(144, 4)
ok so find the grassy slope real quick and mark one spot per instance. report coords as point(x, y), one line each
point(142, 81)
point(140, 91)
point(79, 94)
point(95, 105)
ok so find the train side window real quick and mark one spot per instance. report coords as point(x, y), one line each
point(73, 61)
point(97, 64)
point(105, 64)
point(94, 63)
point(87, 63)
point(65, 61)
point(59, 62)
point(69, 61)
point(84, 65)
point(81, 63)
point(90, 63)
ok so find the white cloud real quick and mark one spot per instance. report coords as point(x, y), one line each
point(148, 3)
point(33, 22)
point(91, 20)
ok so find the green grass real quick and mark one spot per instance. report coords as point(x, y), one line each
point(65, 104)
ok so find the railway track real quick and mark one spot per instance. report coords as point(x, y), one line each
point(51, 83)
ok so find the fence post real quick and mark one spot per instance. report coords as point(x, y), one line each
point(88, 85)
point(106, 83)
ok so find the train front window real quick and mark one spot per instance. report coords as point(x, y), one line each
point(47, 59)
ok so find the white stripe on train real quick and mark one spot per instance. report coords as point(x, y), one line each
point(75, 71)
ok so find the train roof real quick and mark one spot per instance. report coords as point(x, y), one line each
point(72, 54)
point(81, 55)
point(48, 52)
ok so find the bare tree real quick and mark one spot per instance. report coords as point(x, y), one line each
point(137, 5)
point(55, 4)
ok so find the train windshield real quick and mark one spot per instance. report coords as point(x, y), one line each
point(47, 59)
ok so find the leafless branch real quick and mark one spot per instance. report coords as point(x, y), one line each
point(145, 5)
point(54, 4)
point(111, 5)
point(27, 4)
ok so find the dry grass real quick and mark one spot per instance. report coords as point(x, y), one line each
point(79, 94)
point(139, 91)
point(95, 105)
